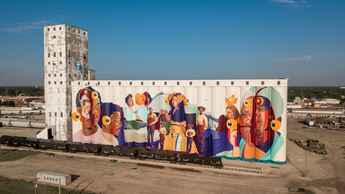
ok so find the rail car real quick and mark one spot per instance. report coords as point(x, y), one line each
point(106, 150)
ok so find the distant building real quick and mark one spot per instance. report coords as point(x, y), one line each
point(91, 74)
point(325, 103)
point(292, 105)
point(304, 102)
point(20, 99)
point(65, 60)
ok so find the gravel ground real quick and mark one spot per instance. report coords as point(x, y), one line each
point(325, 173)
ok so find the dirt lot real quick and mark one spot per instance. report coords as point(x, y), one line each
point(19, 131)
point(325, 173)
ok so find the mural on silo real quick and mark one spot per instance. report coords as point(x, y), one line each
point(247, 123)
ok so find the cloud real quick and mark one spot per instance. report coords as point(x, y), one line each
point(293, 3)
point(27, 26)
point(284, 1)
point(22, 27)
point(307, 57)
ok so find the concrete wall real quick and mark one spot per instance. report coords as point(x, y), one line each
point(64, 46)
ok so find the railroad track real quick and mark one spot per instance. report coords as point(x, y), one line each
point(228, 169)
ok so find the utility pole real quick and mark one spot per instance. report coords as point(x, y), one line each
point(6, 79)
point(305, 163)
point(59, 186)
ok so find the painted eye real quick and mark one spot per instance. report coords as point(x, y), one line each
point(231, 124)
point(76, 116)
point(94, 95)
point(275, 125)
point(246, 103)
point(106, 120)
point(259, 101)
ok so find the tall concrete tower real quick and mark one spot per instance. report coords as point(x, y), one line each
point(65, 60)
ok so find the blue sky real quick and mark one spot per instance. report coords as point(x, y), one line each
point(192, 39)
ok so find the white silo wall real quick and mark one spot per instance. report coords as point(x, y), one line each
point(217, 101)
point(204, 98)
point(210, 94)
point(281, 154)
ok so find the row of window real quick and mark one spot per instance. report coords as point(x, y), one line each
point(69, 75)
point(54, 75)
point(69, 29)
point(55, 113)
point(50, 178)
point(69, 55)
point(54, 54)
point(55, 82)
point(190, 83)
point(54, 63)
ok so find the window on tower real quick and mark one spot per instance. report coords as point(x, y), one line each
point(60, 54)
point(54, 54)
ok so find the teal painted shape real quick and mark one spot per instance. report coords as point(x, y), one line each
point(191, 108)
point(242, 144)
point(277, 145)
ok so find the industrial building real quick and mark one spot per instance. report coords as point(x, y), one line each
point(235, 118)
point(65, 60)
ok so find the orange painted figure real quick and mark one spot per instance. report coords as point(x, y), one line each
point(258, 125)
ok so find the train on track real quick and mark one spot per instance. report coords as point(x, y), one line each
point(106, 150)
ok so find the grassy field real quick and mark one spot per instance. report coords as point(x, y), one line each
point(10, 155)
point(10, 186)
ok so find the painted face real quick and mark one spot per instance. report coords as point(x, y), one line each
point(96, 108)
point(246, 112)
point(86, 117)
point(229, 113)
point(262, 114)
point(89, 110)
point(112, 124)
point(130, 102)
point(175, 101)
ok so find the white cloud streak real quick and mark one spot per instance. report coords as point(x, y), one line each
point(28, 26)
point(307, 57)
point(293, 3)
